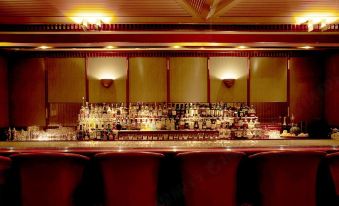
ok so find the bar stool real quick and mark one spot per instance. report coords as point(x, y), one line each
point(129, 178)
point(5, 164)
point(287, 177)
point(333, 163)
point(210, 178)
point(49, 179)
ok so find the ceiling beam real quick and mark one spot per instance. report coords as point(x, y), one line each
point(188, 7)
point(225, 6)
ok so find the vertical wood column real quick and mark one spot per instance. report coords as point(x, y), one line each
point(249, 81)
point(288, 86)
point(208, 81)
point(4, 107)
point(168, 78)
point(127, 82)
point(86, 80)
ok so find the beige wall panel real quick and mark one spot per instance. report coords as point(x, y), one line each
point(66, 79)
point(147, 79)
point(107, 68)
point(188, 79)
point(3, 93)
point(306, 88)
point(27, 93)
point(332, 90)
point(268, 79)
point(228, 68)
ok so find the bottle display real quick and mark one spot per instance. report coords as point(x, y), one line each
point(103, 121)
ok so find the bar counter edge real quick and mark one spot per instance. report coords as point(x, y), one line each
point(169, 146)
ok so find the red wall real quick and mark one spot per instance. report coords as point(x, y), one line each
point(332, 90)
point(306, 88)
point(3, 93)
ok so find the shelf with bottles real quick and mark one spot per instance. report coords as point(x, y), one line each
point(99, 121)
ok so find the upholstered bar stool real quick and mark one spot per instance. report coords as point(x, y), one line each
point(129, 178)
point(49, 179)
point(333, 163)
point(5, 164)
point(210, 178)
point(287, 177)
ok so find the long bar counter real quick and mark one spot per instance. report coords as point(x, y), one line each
point(169, 146)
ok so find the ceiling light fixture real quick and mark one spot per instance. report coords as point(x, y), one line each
point(242, 47)
point(176, 47)
point(317, 21)
point(306, 47)
point(110, 47)
point(91, 21)
point(44, 47)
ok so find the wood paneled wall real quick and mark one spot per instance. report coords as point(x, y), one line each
point(332, 90)
point(147, 79)
point(307, 88)
point(4, 121)
point(268, 77)
point(228, 68)
point(188, 79)
point(66, 79)
point(27, 92)
point(64, 113)
point(107, 68)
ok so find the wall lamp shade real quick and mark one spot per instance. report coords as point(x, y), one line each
point(228, 82)
point(106, 82)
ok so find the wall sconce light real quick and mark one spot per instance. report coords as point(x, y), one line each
point(228, 82)
point(106, 82)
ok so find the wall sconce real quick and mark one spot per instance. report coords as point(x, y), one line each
point(228, 82)
point(106, 82)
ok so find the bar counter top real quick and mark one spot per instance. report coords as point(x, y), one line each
point(170, 146)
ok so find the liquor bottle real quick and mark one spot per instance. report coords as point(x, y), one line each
point(169, 111)
point(175, 111)
point(284, 127)
point(196, 125)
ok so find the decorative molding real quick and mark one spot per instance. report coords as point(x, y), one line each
point(163, 27)
point(83, 54)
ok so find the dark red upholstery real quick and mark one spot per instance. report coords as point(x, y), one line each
point(5, 164)
point(209, 178)
point(333, 162)
point(49, 179)
point(129, 179)
point(287, 177)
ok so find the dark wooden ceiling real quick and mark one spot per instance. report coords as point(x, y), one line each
point(166, 11)
point(166, 23)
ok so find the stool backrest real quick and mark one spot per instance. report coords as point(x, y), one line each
point(49, 179)
point(287, 177)
point(210, 178)
point(129, 178)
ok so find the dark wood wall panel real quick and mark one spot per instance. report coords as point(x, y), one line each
point(270, 111)
point(27, 92)
point(307, 88)
point(65, 114)
point(3, 93)
point(332, 90)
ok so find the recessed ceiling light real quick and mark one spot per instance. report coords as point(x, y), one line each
point(176, 47)
point(44, 47)
point(241, 47)
point(110, 47)
point(306, 47)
